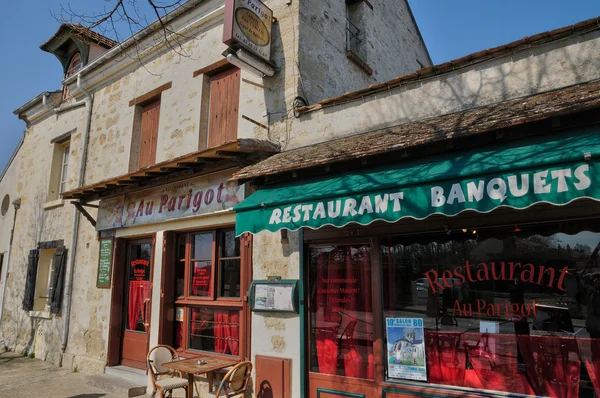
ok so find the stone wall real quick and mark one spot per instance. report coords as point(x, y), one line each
point(537, 69)
point(390, 39)
point(39, 221)
point(276, 334)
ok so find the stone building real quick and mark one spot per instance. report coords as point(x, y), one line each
point(432, 219)
point(125, 236)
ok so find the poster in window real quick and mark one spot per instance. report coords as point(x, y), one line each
point(406, 349)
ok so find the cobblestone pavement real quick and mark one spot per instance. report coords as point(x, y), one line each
point(31, 378)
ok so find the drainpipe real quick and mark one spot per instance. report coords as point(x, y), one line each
point(89, 101)
point(17, 205)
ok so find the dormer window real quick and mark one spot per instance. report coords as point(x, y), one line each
point(73, 67)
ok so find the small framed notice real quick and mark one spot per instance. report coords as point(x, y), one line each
point(274, 296)
point(105, 263)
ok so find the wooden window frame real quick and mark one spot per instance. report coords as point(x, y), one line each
point(64, 167)
point(214, 301)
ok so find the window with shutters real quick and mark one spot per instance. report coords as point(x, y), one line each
point(223, 106)
point(45, 279)
point(145, 134)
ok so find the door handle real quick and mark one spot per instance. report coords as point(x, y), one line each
point(146, 302)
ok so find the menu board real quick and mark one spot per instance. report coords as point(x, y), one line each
point(277, 297)
point(104, 263)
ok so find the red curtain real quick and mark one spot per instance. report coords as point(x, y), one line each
point(446, 358)
point(327, 321)
point(234, 333)
point(139, 291)
point(553, 364)
point(590, 355)
point(493, 358)
point(343, 313)
point(219, 332)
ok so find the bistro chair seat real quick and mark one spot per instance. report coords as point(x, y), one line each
point(235, 382)
point(164, 380)
point(171, 383)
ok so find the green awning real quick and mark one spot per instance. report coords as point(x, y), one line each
point(517, 174)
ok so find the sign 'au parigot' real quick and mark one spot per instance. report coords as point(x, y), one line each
point(248, 24)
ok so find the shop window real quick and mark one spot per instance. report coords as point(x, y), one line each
point(59, 170)
point(341, 311)
point(224, 94)
point(208, 286)
point(510, 309)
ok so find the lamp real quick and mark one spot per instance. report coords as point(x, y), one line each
point(244, 60)
point(255, 62)
point(234, 60)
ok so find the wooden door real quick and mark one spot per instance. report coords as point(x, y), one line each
point(149, 135)
point(224, 104)
point(137, 304)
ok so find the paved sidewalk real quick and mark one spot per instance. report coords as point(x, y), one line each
point(22, 377)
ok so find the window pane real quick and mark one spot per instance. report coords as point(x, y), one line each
point(202, 246)
point(201, 278)
point(230, 246)
point(515, 311)
point(215, 330)
point(137, 311)
point(230, 278)
point(341, 311)
point(180, 266)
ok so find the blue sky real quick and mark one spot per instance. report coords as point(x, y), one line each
point(451, 29)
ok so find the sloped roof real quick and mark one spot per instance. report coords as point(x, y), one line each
point(458, 63)
point(67, 30)
point(506, 114)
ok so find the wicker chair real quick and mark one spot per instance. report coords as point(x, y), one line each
point(235, 382)
point(163, 380)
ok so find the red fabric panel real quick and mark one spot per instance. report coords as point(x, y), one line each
point(590, 355)
point(446, 358)
point(494, 361)
point(353, 364)
point(138, 292)
point(234, 333)
point(219, 332)
point(552, 364)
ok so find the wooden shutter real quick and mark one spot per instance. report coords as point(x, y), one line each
point(149, 134)
point(29, 296)
point(224, 104)
point(167, 291)
point(58, 279)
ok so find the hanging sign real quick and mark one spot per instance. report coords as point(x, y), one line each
point(187, 198)
point(248, 24)
point(104, 263)
point(406, 349)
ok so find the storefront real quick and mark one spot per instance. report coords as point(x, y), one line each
point(451, 274)
point(168, 253)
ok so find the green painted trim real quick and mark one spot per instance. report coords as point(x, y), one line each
point(303, 336)
point(339, 393)
point(440, 394)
